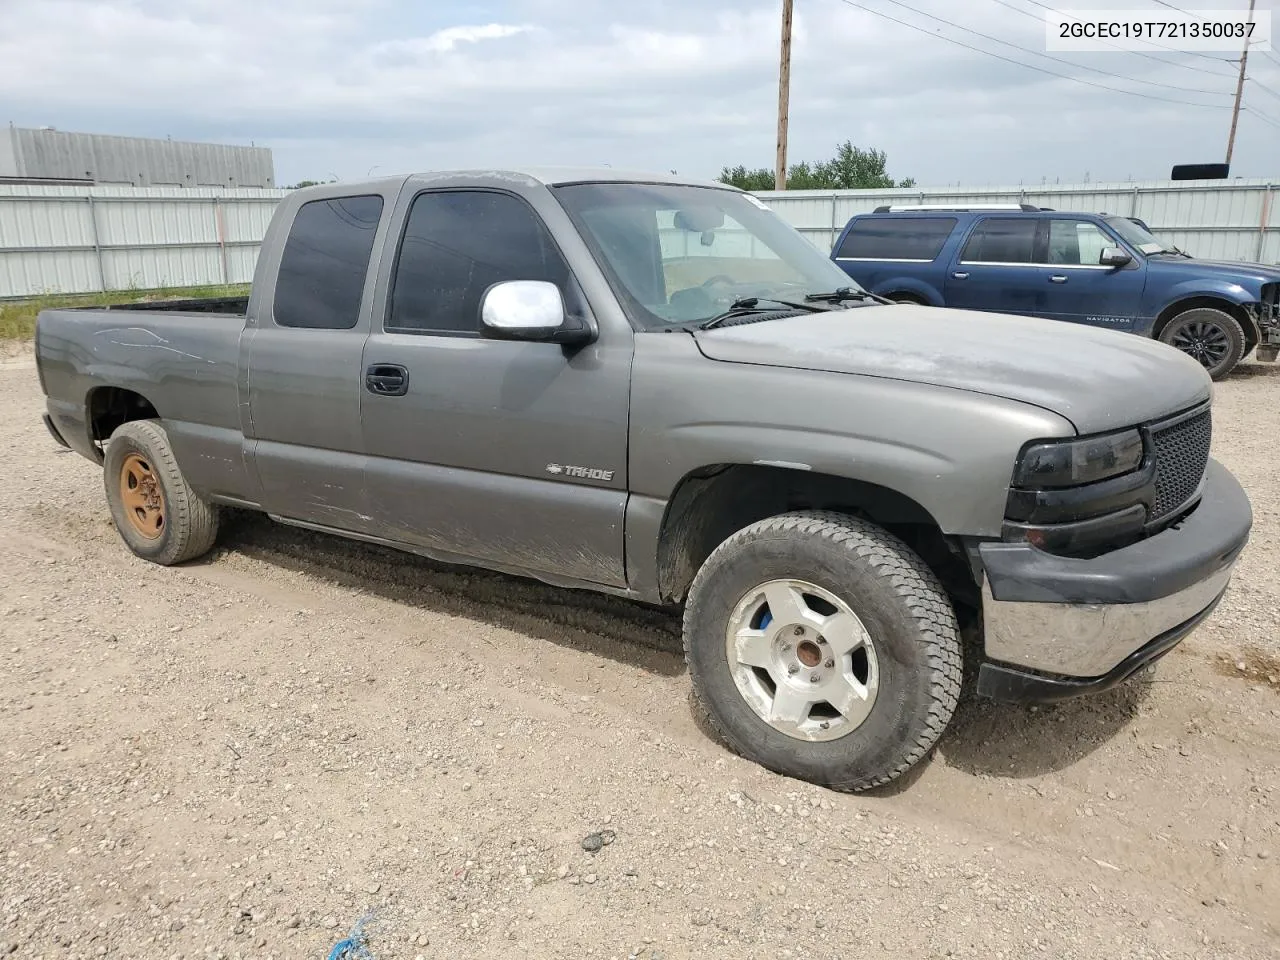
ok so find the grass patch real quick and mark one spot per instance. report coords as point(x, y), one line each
point(18, 317)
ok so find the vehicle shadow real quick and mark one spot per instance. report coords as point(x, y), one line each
point(632, 633)
point(1002, 740)
point(1246, 371)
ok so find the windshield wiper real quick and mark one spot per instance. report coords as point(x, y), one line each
point(840, 294)
point(745, 306)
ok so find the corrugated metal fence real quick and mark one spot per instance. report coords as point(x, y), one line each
point(1213, 219)
point(56, 239)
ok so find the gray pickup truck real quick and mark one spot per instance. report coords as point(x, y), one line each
point(653, 387)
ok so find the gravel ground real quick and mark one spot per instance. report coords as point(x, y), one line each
point(241, 757)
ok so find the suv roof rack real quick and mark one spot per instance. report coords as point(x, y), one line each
point(901, 208)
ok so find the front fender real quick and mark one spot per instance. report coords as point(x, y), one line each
point(1228, 290)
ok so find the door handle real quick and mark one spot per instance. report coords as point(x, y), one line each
point(961, 276)
point(387, 380)
point(1058, 278)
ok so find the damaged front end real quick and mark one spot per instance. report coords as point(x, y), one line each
point(1266, 313)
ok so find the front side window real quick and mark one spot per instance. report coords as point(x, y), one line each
point(325, 261)
point(456, 245)
point(1076, 243)
point(903, 238)
point(1001, 240)
point(678, 254)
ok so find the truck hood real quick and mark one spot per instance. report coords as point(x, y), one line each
point(1097, 379)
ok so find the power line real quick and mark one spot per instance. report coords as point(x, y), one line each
point(1262, 86)
point(1190, 53)
point(1028, 66)
point(1136, 53)
point(1261, 116)
point(1034, 53)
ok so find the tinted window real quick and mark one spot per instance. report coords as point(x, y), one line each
point(1002, 240)
point(324, 263)
point(457, 244)
point(1076, 242)
point(904, 238)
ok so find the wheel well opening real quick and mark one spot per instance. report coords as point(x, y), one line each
point(906, 296)
point(1240, 314)
point(713, 503)
point(108, 407)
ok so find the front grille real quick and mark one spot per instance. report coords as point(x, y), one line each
point(1181, 456)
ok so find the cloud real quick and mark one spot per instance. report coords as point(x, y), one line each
point(448, 38)
point(339, 86)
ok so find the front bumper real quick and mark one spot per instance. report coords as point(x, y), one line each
point(1056, 627)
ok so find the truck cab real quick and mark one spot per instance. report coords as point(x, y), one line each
point(1094, 269)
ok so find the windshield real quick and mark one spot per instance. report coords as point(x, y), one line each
point(1135, 235)
point(681, 254)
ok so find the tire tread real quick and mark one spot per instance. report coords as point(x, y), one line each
point(913, 582)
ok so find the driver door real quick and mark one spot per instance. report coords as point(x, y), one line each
point(510, 453)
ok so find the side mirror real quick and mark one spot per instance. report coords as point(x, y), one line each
point(1114, 257)
point(529, 310)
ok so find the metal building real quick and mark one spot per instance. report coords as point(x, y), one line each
point(47, 155)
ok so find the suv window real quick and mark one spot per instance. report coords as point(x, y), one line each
point(1001, 240)
point(325, 260)
point(1074, 242)
point(457, 243)
point(898, 238)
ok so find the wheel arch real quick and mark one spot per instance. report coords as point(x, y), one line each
point(713, 502)
point(1213, 302)
point(107, 407)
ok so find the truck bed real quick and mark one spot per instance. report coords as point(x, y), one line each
point(180, 358)
point(234, 306)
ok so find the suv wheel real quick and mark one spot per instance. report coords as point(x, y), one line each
point(1210, 336)
point(823, 648)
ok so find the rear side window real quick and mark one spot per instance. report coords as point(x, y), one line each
point(904, 238)
point(456, 245)
point(1001, 240)
point(325, 261)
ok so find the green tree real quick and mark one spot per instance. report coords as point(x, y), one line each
point(852, 168)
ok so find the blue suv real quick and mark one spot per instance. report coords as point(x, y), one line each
point(1096, 269)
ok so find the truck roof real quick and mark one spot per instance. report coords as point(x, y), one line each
point(548, 176)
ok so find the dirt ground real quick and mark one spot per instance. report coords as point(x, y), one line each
point(241, 757)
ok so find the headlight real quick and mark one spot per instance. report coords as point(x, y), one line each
point(1072, 463)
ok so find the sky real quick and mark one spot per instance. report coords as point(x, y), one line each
point(344, 88)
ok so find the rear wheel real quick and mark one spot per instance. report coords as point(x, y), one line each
point(1212, 337)
point(823, 648)
point(157, 513)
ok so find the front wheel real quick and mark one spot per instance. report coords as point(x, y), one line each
point(1213, 337)
point(823, 648)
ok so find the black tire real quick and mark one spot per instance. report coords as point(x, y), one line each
point(1213, 337)
point(187, 524)
point(900, 602)
point(907, 298)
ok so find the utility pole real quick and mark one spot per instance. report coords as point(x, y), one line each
point(784, 98)
point(1235, 111)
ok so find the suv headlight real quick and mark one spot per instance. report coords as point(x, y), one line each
point(1071, 463)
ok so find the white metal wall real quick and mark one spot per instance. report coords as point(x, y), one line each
point(1213, 219)
point(56, 239)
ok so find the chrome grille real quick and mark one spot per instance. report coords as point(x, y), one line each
point(1181, 456)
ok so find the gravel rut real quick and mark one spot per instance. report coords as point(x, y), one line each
point(243, 756)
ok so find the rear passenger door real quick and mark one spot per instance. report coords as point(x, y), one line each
point(897, 254)
point(302, 368)
point(997, 269)
point(472, 459)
